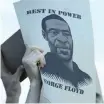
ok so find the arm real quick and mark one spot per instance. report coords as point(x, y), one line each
point(11, 83)
point(30, 59)
point(34, 92)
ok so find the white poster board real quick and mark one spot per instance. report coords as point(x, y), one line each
point(62, 28)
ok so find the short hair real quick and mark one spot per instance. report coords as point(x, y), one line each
point(52, 16)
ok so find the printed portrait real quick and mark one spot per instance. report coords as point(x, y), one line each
point(60, 64)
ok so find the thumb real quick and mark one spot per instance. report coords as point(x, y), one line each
point(19, 72)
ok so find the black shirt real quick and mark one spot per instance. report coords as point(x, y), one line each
point(55, 67)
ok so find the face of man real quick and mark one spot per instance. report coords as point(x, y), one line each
point(59, 38)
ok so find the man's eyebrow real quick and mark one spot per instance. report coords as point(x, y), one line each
point(65, 30)
point(58, 29)
point(52, 29)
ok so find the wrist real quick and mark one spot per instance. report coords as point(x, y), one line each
point(13, 93)
point(12, 99)
point(35, 82)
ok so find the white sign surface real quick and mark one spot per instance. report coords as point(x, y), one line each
point(63, 29)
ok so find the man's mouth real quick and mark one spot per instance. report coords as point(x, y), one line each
point(64, 51)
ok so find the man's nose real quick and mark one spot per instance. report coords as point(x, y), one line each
point(61, 37)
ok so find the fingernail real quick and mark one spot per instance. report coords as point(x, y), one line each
point(42, 65)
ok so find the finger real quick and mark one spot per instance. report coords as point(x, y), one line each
point(42, 61)
point(39, 55)
point(37, 48)
point(36, 56)
point(37, 59)
point(19, 72)
point(41, 58)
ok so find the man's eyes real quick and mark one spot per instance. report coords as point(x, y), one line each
point(66, 33)
point(55, 32)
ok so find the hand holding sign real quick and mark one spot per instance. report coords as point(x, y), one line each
point(33, 55)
